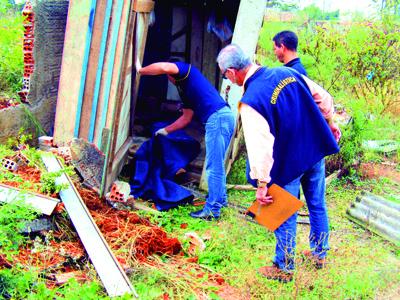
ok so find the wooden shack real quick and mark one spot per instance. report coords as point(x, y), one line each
point(102, 99)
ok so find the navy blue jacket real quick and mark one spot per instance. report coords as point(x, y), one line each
point(302, 135)
point(297, 65)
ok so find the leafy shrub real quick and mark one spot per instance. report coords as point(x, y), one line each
point(16, 283)
point(237, 174)
point(48, 180)
point(359, 64)
point(362, 59)
point(13, 217)
point(11, 63)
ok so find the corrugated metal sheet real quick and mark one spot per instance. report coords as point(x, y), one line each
point(378, 215)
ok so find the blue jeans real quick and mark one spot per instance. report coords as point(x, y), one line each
point(313, 184)
point(219, 131)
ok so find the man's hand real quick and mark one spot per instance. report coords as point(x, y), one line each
point(261, 196)
point(138, 65)
point(335, 130)
point(161, 131)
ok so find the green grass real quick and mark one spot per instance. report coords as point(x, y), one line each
point(361, 265)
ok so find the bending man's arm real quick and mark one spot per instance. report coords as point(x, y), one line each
point(159, 69)
point(181, 122)
point(324, 100)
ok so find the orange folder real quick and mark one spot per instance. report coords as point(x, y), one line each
point(272, 215)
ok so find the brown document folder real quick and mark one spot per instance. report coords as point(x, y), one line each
point(272, 215)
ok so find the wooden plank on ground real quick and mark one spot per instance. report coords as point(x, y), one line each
point(73, 68)
point(42, 203)
point(108, 268)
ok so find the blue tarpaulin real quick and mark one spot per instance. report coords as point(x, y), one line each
point(157, 161)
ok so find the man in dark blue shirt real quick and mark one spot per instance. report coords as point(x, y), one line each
point(202, 100)
point(285, 48)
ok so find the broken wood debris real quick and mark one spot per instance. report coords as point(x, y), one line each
point(241, 187)
point(64, 277)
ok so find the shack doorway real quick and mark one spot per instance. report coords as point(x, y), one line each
point(187, 31)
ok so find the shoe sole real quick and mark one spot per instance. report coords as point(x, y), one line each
point(281, 280)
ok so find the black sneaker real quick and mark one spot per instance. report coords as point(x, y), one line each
point(204, 215)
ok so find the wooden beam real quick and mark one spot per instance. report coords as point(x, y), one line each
point(139, 43)
point(111, 116)
point(99, 73)
point(116, 165)
point(93, 64)
point(108, 70)
point(124, 85)
point(196, 43)
point(85, 66)
point(241, 187)
point(247, 29)
point(107, 266)
point(144, 6)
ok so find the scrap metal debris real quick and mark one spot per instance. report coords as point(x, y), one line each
point(378, 215)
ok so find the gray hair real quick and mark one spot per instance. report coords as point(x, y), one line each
point(232, 56)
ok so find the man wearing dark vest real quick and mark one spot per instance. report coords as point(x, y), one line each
point(201, 99)
point(288, 129)
point(285, 48)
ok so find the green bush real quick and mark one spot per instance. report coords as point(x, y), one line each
point(359, 64)
point(11, 62)
point(13, 217)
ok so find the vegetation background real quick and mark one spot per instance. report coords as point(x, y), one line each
point(358, 62)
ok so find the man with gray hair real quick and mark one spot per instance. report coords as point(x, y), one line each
point(288, 128)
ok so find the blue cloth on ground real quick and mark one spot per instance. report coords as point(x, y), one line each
point(157, 162)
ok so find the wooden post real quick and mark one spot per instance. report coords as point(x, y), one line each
point(247, 28)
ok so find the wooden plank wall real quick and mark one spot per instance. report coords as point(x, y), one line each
point(79, 26)
point(94, 98)
point(124, 109)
